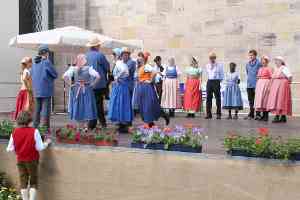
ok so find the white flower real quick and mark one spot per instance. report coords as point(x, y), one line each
point(206, 137)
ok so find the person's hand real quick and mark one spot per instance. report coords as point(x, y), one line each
point(48, 142)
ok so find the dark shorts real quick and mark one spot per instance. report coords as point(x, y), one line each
point(28, 172)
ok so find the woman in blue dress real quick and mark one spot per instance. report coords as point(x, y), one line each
point(146, 97)
point(82, 104)
point(232, 98)
point(120, 107)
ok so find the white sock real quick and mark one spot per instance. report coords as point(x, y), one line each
point(24, 194)
point(32, 194)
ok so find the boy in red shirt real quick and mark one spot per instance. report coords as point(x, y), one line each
point(27, 142)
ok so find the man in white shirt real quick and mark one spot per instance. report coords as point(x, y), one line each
point(215, 74)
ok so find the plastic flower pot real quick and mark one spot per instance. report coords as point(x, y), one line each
point(138, 145)
point(4, 137)
point(295, 156)
point(105, 143)
point(155, 146)
point(184, 148)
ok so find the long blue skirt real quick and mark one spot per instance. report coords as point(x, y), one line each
point(147, 102)
point(82, 104)
point(232, 97)
point(120, 109)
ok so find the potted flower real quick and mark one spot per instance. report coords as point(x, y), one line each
point(68, 135)
point(6, 129)
point(184, 139)
point(262, 145)
point(103, 137)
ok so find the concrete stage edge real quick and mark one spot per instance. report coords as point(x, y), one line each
point(79, 173)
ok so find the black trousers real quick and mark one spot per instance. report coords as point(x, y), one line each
point(213, 88)
point(100, 96)
point(251, 97)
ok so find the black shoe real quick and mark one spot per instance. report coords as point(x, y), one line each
point(192, 115)
point(208, 117)
point(172, 114)
point(258, 117)
point(188, 115)
point(283, 119)
point(276, 119)
point(218, 117)
point(229, 117)
point(235, 117)
point(249, 117)
point(167, 119)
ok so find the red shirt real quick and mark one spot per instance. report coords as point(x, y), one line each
point(24, 144)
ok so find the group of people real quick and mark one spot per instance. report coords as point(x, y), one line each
point(153, 91)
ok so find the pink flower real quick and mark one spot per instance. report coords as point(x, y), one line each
point(77, 136)
point(258, 141)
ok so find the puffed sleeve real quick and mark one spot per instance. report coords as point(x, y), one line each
point(148, 68)
point(287, 72)
point(69, 73)
point(93, 73)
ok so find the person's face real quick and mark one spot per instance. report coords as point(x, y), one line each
point(125, 57)
point(171, 62)
point(278, 63)
point(251, 56)
point(232, 68)
point(264, 62)
point(212, 59)
point(158, 62)
point(140, 61)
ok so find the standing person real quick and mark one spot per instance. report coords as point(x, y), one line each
point(98, 61)
point(82, 102)
point(145, 95)
point(252, 68)
point(170, 95)
point(232, 95)
point(131, 68)
point(158, 78)
point(24, 101)
point(262, 89)
point(215, 73)
point(280, 97)
point(120, 108)
point(192, 93)
point(26, 142)
point(43, 75)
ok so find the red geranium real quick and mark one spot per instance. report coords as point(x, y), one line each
point(263, 131)
point(77, 136)
point(258, 141)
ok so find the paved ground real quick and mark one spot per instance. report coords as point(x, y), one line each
point(215, 129)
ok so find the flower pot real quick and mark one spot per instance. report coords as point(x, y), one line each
point(87, 140)
point(239, 152)
point(183, 148)
point(105, 143)
point(4, 137)
point(155, 146)
point(295, 156)
point(138, 145)
point(66, 141)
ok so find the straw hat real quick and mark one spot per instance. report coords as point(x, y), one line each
point(93, 42)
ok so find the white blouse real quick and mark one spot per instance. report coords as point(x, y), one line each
point(73, 69)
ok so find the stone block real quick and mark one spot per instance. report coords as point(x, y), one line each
point(267, 39)
point(164, 6)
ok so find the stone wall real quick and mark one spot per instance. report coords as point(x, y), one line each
point(195, 27)
point(121, 173)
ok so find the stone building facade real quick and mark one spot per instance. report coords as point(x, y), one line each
point(195, 27)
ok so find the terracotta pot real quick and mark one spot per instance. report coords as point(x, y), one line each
point(106, 143)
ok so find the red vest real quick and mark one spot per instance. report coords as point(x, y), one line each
point(24, 144)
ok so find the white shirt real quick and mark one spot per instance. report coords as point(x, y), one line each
point(286, 72)
point(215, 71)
point(39, 145)
point(73, 69)
point(120, 70)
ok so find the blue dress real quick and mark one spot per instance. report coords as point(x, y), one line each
point(232, 98)
point(82, 103)
point(146, 98)
point(120, 108)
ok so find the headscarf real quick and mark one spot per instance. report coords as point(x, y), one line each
point(81, 60)
point(171, 61)
point(117, 51)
